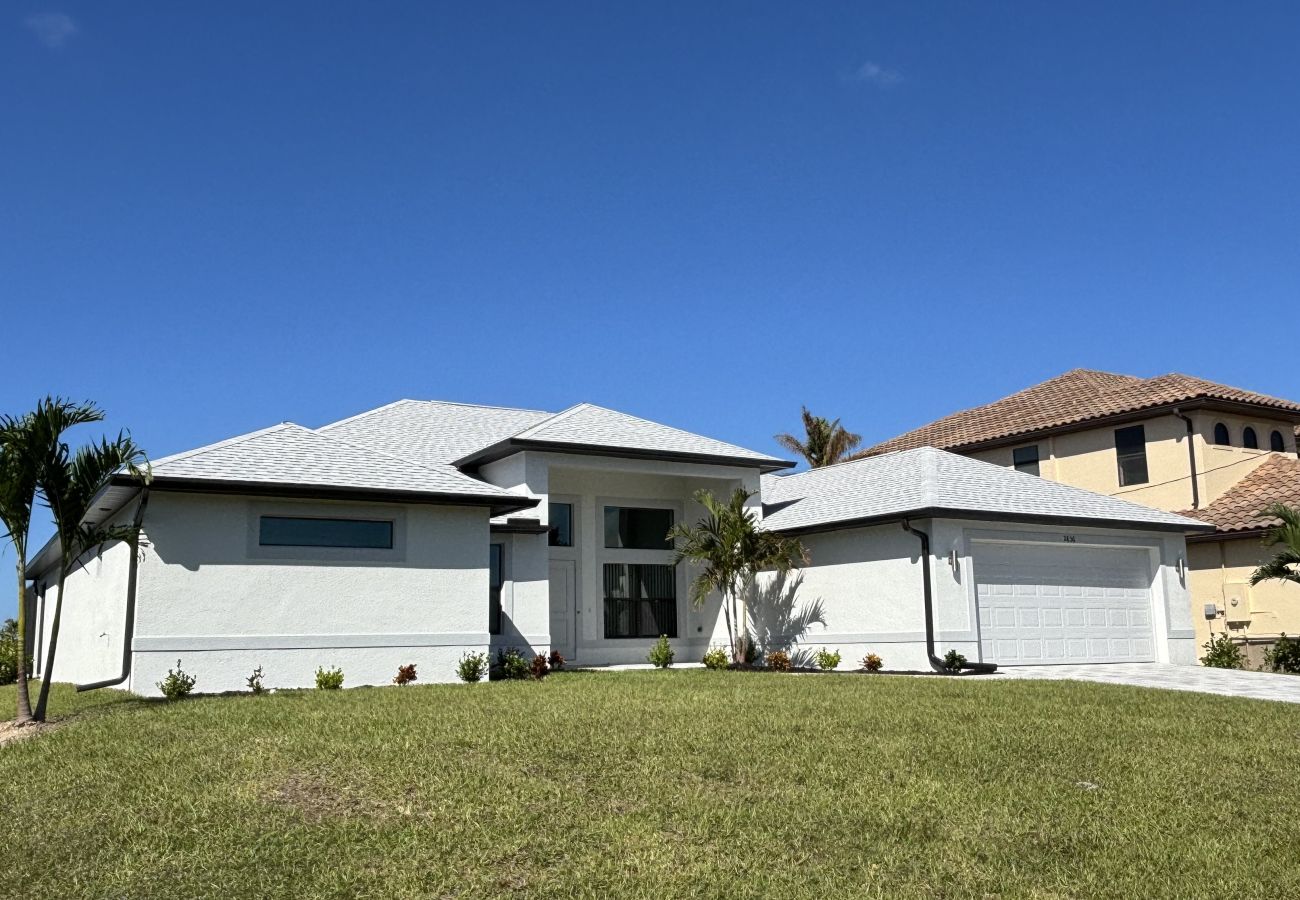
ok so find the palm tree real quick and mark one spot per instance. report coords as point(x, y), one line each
point(825, 442)
point(732, 549)
point(69, 484)
point(1285, 564)
point(18, 477)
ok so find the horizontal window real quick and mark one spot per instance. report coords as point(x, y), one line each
point(633, 528)
point(640, 601)
point(287, 531)
point(1025, 459)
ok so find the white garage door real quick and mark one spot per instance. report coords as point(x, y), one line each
point(1063, 603)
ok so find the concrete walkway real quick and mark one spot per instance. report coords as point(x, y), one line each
point(1225, 682)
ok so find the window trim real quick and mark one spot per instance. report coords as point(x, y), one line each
point(324, 509)
point(1035, 462)
point(262, 542)
point(1249, 438)
point(605, 555)
point(1121, 456)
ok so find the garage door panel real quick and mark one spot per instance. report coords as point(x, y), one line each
point(1045, 603)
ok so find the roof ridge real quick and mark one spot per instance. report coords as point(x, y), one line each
point(485, 406)
point(227, 442)
point(557, 417)
point(447, 468)
point(362, 415)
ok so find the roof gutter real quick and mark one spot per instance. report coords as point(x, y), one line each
point(935, 662)
point(1191, 457)
point(128, 627)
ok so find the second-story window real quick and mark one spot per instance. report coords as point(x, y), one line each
point(1025, 459)
point(1221, 435)
point(1131, 454)
point(1249, 439)
point(1276, 442)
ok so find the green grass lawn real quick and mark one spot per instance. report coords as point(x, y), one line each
point(687, 783)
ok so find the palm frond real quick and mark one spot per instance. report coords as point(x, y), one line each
point(1285, 564)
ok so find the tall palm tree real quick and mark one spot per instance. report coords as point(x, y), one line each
point(69, 483)
point(732, 549)
point(18, 477)
point(825, 442)
point(1285, 564)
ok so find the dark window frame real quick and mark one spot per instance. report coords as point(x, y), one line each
point(1276, 442)
point(1222, 437)
point(631, 617)
point(1026, 465)
point(1250, 438)
point(1131, 455)
point(496, 581)
point(552, 535)
point(660, 544)
point(386, 543)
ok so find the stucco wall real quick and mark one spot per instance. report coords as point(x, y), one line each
point(94, 609)
point(208, 594)
point(1221, 574)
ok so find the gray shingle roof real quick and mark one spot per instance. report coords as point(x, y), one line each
point(433, 431)
point(291, 455)
point(436, 431)
point(925, 479)
point(588, 425)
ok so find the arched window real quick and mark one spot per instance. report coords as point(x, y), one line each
point(1221, 435)
point(1275, 442)
point(1249, 439)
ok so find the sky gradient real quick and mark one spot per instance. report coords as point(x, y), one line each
point(215, 219)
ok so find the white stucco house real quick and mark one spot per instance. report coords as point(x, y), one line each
point(421, 530)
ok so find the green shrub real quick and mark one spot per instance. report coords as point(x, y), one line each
point(662, 653)
point(539, 668)
point(472, 667)
point(827, 660)
point(778, 661)
point(511, 665)
point(716, 658)
point(872, 662)
point(9, 652)
point(329, 679)
point(255, 682)
point(1223, 653)
point(953, 661)
point(1284, 656)
point(405, 675)
point(177, 684)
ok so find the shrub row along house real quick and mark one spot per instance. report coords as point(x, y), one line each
point(422, 530)
point(1212, 452)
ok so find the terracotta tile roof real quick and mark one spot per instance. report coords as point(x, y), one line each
point(1077, 396)
point(1242, 507)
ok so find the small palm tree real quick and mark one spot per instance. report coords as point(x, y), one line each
point(824, 443)
point(1285, 564)
point(69, 484)
point(732, 549)
point(18, 477)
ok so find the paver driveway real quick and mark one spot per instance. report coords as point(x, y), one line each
point(1227, 682)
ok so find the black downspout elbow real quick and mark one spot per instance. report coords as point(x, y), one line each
point(129, 625)
point(1191, 457)
point(935, 662)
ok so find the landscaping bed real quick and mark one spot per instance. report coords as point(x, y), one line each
point(676, 783)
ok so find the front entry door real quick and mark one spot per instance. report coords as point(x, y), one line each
point(564, 607)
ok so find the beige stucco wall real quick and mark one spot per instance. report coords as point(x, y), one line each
point(1221, 574)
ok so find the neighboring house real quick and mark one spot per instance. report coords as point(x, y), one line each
point(1213, 452)
point(422, 530)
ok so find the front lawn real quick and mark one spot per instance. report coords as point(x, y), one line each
point(686, 783)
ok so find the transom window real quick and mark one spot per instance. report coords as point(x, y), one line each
point(640, 601)
point(1221, 435)
point(291, 531)
point(1249, 439)
point(1131, 454)
point(496, 578)
point(1025, 459)
point(1276, 443)
point(637, 528)
point(560, 516)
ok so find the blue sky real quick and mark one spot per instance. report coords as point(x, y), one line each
point(217, 218)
